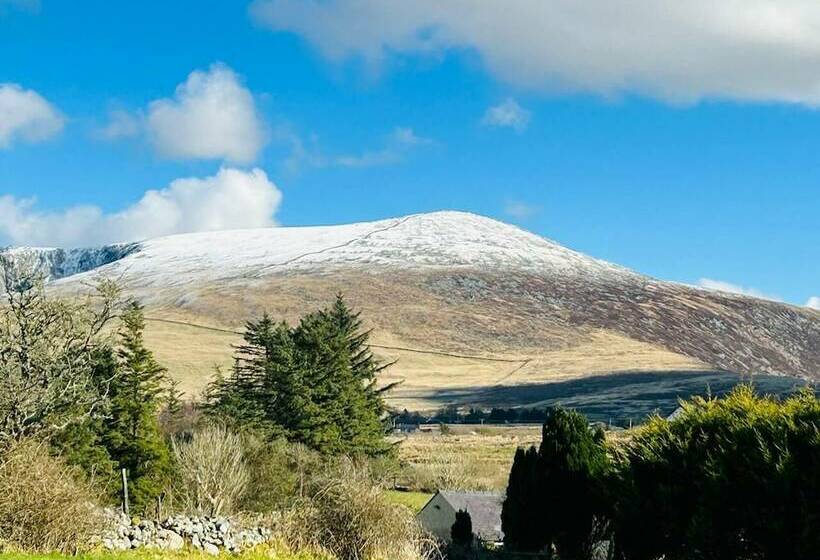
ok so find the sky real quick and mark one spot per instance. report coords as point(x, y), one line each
point(680, 139)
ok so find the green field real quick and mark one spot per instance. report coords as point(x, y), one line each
point(414, 500)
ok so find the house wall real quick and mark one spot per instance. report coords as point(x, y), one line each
point(437, 517)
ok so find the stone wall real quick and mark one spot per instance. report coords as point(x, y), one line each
point(210, 534)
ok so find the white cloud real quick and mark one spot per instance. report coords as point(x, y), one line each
point(813, 303)
point(26, 116)
point(677, 51)
point(721, 286)
point(228, 200)
point(121, 124)
point(507, 114)
point(211, 116)
point(520, 210)
point(408, 137)
point(398, 143)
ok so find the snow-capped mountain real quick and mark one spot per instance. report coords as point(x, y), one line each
point(435, 240)
point(461, 300)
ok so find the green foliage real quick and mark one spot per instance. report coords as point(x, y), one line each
point(461, 533)
point(313, 383)
point(555, 495)
point(279, 473)
point(519, 518)
point(735, 477)
point(130, 432)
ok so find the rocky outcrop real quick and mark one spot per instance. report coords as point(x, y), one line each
point(54, 264)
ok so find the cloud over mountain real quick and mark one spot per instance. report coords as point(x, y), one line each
point(755, 50)
point(231, 199)
point(211, 116)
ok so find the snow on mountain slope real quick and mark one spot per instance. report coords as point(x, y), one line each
point(447, 283)
point(439, 239)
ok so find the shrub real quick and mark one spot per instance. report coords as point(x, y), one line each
point(44, 505)
point(278, 474)
point(729, 478)
point(212, 471)
point(348, 515)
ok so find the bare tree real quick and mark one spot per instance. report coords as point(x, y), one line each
point(47, 351)
point(212, 471)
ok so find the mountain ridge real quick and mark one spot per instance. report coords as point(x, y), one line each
point(453, 283)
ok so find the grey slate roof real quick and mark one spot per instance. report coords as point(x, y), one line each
point(484, 509)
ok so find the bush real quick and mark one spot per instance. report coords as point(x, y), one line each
point(44, 505)
point(212, 471)
point(278, 474)
point(735, 477)
point(348, 515)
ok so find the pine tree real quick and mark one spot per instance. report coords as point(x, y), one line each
point(131, 433)
point(573, 464)
point(521, 513)
point(314, 383)
point(461, 533)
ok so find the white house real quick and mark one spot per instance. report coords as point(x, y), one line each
point(439, 514)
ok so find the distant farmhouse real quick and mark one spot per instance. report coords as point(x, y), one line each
point(439, 514)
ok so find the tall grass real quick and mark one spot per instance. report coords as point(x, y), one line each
point(349, 516)
point(212, 472)
point(44, 504)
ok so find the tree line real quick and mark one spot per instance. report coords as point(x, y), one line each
point(453, 415)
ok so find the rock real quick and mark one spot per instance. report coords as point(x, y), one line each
point(211, 549)
point(175, 541)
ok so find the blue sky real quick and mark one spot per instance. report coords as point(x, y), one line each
point(655, 139)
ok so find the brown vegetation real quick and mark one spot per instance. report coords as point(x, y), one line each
point(44, 505)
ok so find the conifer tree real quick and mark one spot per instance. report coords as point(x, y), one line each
point(131, 432)
point(314, 383)
point(555, 494)
point(520, 517)
point(461, 533)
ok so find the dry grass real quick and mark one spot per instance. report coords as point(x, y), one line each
point(44, 505)
point(275, 551)
point(350, 517)
point(464, 459)
point(192, 352)
point(212, 471)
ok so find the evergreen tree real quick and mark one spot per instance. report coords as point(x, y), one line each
point(131, 432)
point(81, 444)
point(314, 383)
point(520, 515)
point(555, 495)
point(461, 533)
point(573, 464)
